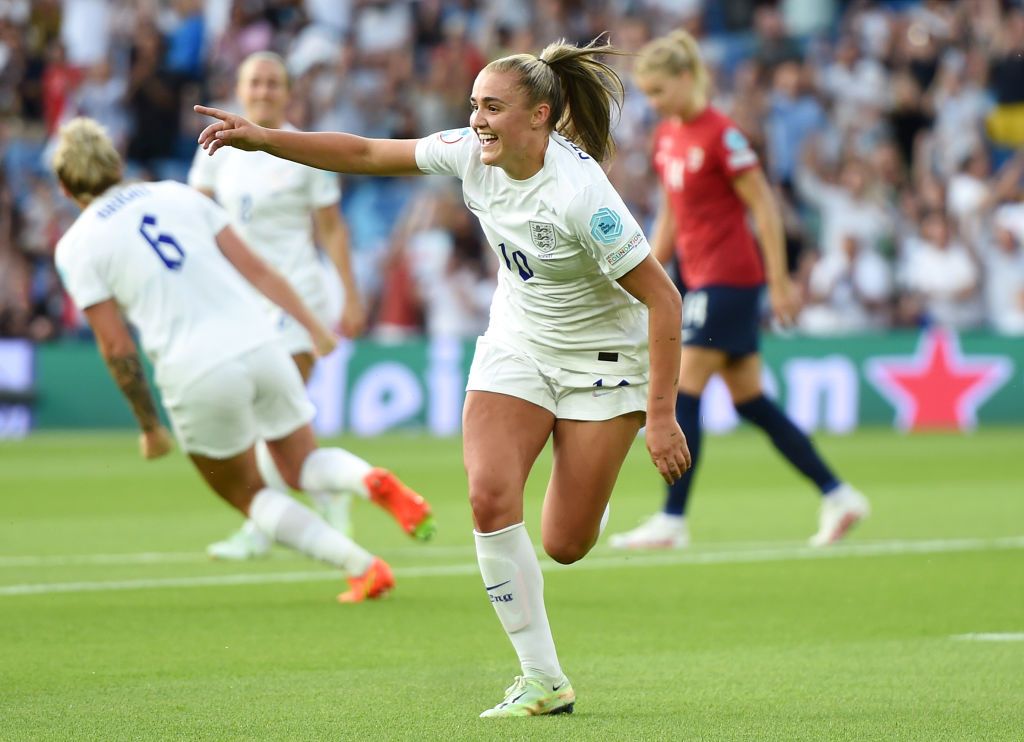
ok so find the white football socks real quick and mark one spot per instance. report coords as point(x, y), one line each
point(334, 471)
point(515, 587)
point(290, 523)
point(336, 475)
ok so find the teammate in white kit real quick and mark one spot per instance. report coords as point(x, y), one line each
point(584, 330)
point(276, 206)
point(166, 257)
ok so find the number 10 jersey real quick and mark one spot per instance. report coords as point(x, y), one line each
point(562, 237)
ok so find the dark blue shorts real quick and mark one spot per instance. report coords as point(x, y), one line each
point(726, 318)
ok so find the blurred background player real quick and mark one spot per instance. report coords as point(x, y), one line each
point(167, 257)
point(566, 353)
point(279, 208)
point(710, 179)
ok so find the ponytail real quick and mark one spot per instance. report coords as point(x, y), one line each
point(580, 89)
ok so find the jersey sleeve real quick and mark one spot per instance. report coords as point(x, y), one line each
point(734, 151)
point(324, 189)
point(203, 172)
point(80, 272)
point(447, 152)
point(606, 230)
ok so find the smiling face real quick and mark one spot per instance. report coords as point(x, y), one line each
point(669, 95)
point(263, 91)
point(512, 132)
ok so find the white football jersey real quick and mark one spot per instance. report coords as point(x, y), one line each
point(562, 237)
point(271, 203)
point(152, 248)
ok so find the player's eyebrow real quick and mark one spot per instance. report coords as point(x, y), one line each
point(487, 99)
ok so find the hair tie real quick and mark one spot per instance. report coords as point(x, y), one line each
point(544, 61)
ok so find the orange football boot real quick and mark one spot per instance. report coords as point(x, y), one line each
point(375, 583)
point(408, 508)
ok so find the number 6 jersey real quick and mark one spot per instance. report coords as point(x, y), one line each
point(152, 248)
point(562, 237)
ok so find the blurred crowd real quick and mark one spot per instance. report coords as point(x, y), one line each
point(891, 130)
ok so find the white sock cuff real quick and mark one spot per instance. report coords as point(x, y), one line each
point(500, 531)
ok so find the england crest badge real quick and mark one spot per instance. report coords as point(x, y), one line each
point(543, 235)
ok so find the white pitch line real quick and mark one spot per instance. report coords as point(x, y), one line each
point(1007, 637)
point(423, 551)
point(184, 557)
point(633, 559)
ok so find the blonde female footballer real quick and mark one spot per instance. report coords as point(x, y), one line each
point(164, 257)
point(583, 342)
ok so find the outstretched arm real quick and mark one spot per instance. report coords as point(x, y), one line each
point(118, 349)
point(649, 284)
point(343, 153)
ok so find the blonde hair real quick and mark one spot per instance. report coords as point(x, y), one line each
point(672, 54)
point(85, 160)
point(265, 56)
point(580, 89)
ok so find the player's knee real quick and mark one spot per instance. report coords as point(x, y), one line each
point(490, 504)
point(567, 550)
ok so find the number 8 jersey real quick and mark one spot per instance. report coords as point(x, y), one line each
point(562, 237)
point(152, 248)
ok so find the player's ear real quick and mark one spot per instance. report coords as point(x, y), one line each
point(540, 116)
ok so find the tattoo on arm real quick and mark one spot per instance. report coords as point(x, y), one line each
point(127, 372)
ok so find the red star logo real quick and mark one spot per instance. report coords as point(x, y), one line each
point(938, 387)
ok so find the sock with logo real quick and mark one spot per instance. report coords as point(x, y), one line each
point(515, 586)
point(791, 442)
point(292, 524)
point(688, 417)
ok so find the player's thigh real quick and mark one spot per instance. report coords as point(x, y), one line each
point(236, 478)
point(282, 409)
point(213, 416)
point(696, 367)
point(502, 435)
point(588, 456)
point(742, 376)
point(719, 323)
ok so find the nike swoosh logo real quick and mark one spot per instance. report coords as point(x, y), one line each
point(556, 688)
point(516, 698)
point(492, 587)
point(605, 392)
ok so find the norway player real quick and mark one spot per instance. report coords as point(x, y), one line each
point(166, 257)
point(710, 180)
point(277, 208)
point(579, 302)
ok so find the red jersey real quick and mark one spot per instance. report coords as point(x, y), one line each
point(696, 162)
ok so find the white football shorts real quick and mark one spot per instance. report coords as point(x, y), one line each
point(322, 292)
point(257, 395)
point(568, 395)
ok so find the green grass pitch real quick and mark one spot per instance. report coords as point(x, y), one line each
point(114, 626)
